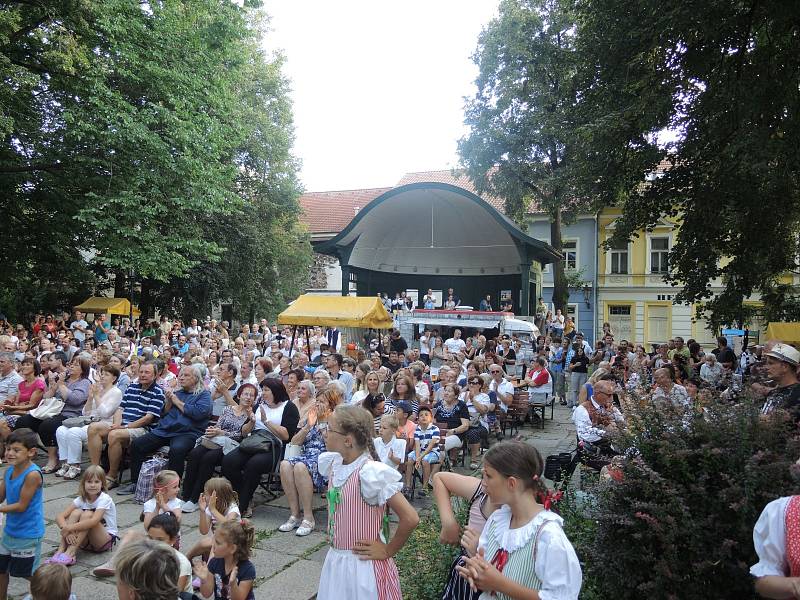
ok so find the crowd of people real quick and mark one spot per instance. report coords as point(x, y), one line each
point(229, 410)
point(199, 416)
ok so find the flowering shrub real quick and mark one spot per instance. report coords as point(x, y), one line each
point(679, 522)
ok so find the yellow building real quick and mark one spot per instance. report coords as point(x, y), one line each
point(632, 295)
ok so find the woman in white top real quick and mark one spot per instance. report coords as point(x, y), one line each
point(372, 385)
point(478, 405)
point(360, 383)
point(776, 538)
point(103, 401)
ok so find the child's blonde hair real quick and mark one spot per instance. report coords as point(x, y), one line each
point(165, 479)
point(92, 472)
point(151, 568)
point(358, 422)
point(51, 582)
point(240, 533)
point(391, 420)
point(226, 495)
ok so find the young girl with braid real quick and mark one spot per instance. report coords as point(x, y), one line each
point(359, 564)
point(523, 554)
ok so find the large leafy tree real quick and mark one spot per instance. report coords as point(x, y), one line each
point(137, 135)
point(520, 146)
point(724, 77)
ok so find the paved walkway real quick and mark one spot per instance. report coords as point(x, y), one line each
point(288, 567)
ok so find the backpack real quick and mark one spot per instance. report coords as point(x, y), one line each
point(150, 468)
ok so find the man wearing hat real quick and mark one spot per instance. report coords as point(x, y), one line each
point(782, 361)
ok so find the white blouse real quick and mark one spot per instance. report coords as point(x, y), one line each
point(769, 539)
point(557, 565)
point(378, 482)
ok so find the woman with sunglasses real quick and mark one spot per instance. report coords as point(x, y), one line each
point(478, 406)
point(300, 475)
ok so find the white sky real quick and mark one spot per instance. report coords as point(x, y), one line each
point(377, 86)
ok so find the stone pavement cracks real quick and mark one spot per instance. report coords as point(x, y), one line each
point(287, 566)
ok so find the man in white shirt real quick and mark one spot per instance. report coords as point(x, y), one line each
point(193, 331)
point(597, 418)
point(79, 327)
point(502, 387)
point(455, 344)
point(9, 378)
point(333, 365)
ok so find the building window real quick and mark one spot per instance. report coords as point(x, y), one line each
point(659, 255)
point(658, 324)
point(619, 317)
point(569, 248)
point(619, 259)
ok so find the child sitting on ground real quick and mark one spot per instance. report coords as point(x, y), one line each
point(90, 520)
point(166, 528)
point(229, 574)
point(51, 582)
point(426, 449)
point(218, 503)
point(165, 500)
point(21, 488)
point(391, 449)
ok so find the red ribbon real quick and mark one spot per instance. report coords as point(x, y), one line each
point(500, 559)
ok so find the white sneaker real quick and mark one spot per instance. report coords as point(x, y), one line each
point(188, 507)
point(305, 528)
point(62, 470)
point(292, 523)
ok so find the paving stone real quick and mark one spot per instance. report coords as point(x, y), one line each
point(289, 543)
point(270, 562)
point(298, 582)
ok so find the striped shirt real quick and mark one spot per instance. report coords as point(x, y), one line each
point(426, 435)
point(138, 402)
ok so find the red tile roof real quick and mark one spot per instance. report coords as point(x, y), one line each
point(330, 212)
point(453, 177)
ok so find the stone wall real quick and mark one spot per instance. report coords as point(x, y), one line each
point(319, 276)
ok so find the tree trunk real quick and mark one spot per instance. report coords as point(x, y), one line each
point(145, 301)
point(121, 285)
point(560, 289)
point(251, 318)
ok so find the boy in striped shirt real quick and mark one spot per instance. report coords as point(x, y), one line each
point(426, 448)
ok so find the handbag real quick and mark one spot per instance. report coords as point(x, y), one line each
point(81, 421)
point(209, 443)
point(292, 451)
point(49, 407)
point(258, 441)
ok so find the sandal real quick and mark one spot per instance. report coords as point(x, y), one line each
point(292, 523)
point(112, 483)
point(47, 470)
point(305, 528)
point(73, 472)
point(248, 514)
point(62, 559)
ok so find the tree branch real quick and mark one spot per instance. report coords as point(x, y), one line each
point(32, 167)
point(26, 30)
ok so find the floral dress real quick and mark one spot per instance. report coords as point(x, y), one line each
point(313, 446)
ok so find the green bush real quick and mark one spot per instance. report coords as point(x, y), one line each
point(679, 524)
point(424, 562)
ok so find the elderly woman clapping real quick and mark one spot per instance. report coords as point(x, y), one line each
point(187, 413)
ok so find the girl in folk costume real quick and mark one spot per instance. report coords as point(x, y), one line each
point(776, 538)
point(522, 553)
point(359, 564)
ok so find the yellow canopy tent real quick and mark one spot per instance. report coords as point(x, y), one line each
point(337, 311)
point(785, 332)
point(111, 306)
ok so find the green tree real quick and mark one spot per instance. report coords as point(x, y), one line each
point(520, 144)
point(724, 77)
point(132, 133)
